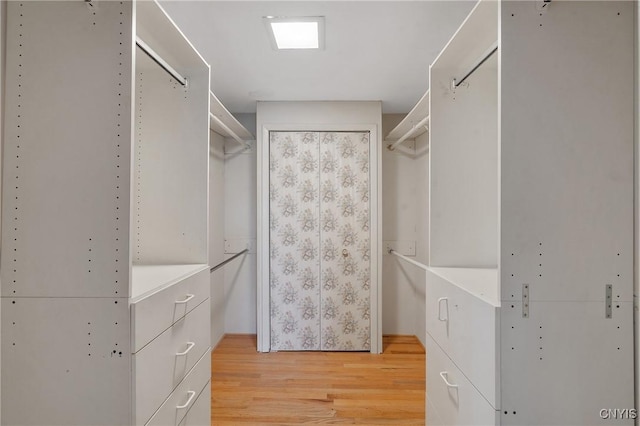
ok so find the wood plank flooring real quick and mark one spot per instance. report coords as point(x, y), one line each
point(293, 388)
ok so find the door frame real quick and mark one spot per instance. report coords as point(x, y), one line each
point(263, 265)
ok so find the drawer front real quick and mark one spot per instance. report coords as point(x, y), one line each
point(181, 400)
point(154, 314)
point(465, 327)
point(200, 412)
point(459, 405)
point(433, 417)
point(162, 364)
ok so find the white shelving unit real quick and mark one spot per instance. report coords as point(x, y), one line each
point(530, 278)
point(224, 123)
point(105, 296)
point(413, 125)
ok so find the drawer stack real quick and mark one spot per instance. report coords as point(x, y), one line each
point(171, 362)
point(462, 369)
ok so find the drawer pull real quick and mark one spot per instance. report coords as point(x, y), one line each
point(189, 297)
point(444, 375)
point(186, 404)
point(440, 300)
point(190, 346)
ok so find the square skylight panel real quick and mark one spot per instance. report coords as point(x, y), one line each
point(296, 33)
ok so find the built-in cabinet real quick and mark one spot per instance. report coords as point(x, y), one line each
point(105, 281)
point(530, 278)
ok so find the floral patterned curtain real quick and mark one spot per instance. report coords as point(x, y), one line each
point(320, 241)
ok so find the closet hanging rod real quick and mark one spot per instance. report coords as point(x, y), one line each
point(228, 130)
point(404, 137)
point(405, 258)
point(224, 262)
point(158, 60)
point(493, 49)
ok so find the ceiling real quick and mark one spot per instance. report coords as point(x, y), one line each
point(375, 50)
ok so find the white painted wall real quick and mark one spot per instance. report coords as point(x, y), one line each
point(422, 231)
point(216, 235)
point(405, 201)
point(248, 121)
point(399, 279)
point(240, 223)
point(232, 213)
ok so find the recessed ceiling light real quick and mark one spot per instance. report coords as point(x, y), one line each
point(296, 33)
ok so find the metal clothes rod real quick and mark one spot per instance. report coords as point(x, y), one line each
point(228, 130)
point(493, 49)
point(158, 60)
point(404, 137)
point(403, 257)
point(221, 264)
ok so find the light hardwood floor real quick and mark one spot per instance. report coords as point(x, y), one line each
point(293, 388)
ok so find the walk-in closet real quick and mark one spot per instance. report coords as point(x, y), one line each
point(347, 212)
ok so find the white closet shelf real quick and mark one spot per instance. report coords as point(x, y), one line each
point(409, 127)
point(225, 123)
point(158, 31)
point(471, 42)
point(479, 282)
point(149, 279)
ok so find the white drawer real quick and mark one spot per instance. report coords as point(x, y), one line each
point(466, 328)
point(461, 405)
point(153, 314)
point(162, 364)
point(200, 412)
point(433, 417)
point(181, 400)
